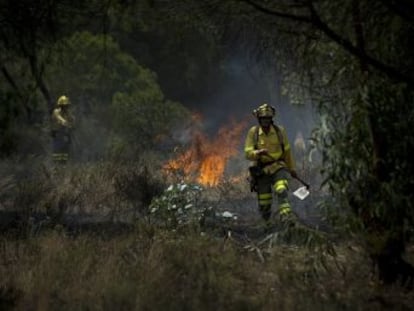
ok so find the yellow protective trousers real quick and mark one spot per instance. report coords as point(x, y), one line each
point(267, 185)
point(61, 141)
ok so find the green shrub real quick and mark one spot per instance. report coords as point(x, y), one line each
point(180, 205)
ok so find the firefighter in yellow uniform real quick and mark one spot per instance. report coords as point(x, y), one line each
point(62, 123)
point(267, 145)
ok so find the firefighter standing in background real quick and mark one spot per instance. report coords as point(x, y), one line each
point(267, 145)
point(62, 123)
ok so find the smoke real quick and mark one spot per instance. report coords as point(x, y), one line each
point(248, 84)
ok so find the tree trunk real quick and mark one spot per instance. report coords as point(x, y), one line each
point(385, 235)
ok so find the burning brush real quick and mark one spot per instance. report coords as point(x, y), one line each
point(205, 160)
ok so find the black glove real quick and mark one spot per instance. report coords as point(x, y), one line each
point(293, 174)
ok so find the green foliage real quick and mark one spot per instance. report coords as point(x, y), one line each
point(94, 66)
point(370, 130)
point(121, 101)
point(144, 115)
point(364, 99)
point(21, 112)
point(354, 61)
point(180, 205)
point(163, 39)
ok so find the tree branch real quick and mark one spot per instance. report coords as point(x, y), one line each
point(10, 80)
point(14, 86)
point(293, 17)
point(352, 49)
point(315, 20)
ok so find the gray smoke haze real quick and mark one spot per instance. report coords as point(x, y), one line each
point(248, 85)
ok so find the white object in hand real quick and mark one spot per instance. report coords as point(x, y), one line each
point(301, 193)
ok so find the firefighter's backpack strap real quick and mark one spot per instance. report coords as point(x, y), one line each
point(278, 133)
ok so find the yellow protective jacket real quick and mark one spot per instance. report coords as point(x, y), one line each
point(61, 119)
point(257, 139)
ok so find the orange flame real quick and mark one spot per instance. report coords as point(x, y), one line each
point(205, 160)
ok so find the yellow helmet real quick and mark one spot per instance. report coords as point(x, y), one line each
point(63, 101)
point(264, 110)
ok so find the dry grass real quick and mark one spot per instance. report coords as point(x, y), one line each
point(151, 268)
point(103, 189)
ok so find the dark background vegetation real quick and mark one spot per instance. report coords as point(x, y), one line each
point(341, 72)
